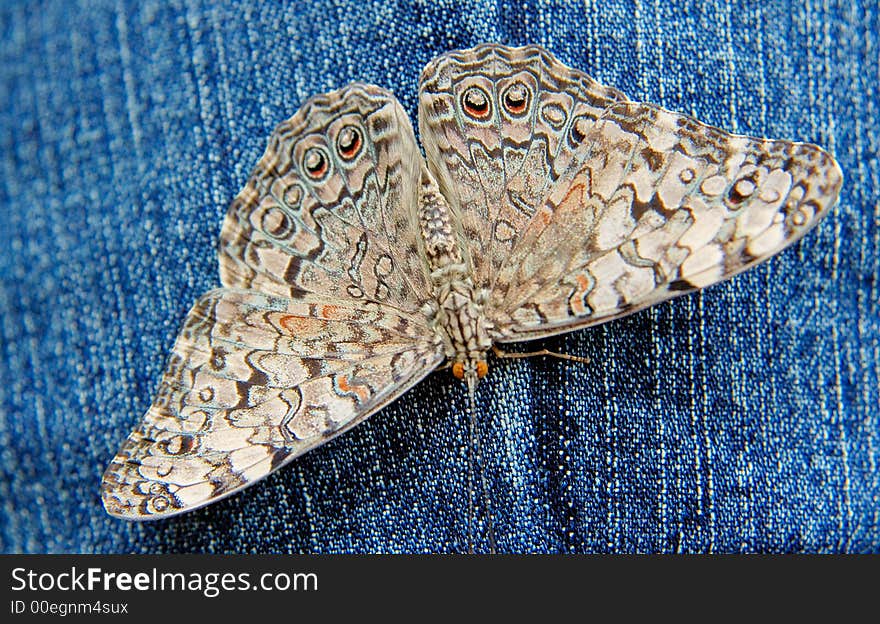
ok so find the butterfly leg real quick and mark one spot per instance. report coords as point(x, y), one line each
point(562, 356)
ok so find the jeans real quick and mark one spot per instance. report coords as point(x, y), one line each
point(741, 418)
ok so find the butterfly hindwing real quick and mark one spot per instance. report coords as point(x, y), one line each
point(497, 123)
point(330, 208)
point(254, 381)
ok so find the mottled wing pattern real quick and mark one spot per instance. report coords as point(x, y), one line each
point(495, 123)
point(320, 325)
point(578, 206)
point(331, 207)
point(254, 381)
point(661, 205)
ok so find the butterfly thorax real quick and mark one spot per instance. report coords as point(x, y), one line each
point(457, 309)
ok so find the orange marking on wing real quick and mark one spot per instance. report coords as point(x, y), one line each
point(296, 324)
point(574, 197)
point(345, 385)
point(329, 311)
point(577, 298)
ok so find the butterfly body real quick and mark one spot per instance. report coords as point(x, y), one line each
point(457, 311)
point(352, 266)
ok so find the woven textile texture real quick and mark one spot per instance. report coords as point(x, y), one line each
point(741, 418)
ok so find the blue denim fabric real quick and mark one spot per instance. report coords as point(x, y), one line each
point(742, 418)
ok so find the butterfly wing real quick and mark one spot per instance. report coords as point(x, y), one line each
point(254, 381)
point(494, 122)
point(320, 323)
point(640, 204)
point(661, 205)
point(331, 207)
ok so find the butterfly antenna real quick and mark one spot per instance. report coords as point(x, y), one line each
point(470, 485)
point(475, 456)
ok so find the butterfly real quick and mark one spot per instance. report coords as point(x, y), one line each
point(352, 267)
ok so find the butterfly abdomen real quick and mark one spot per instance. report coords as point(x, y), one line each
point(441, 248)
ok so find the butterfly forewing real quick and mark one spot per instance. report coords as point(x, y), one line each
point(660, 205)
point(253, 381)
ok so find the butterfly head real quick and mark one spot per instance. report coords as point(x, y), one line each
point(471, 369)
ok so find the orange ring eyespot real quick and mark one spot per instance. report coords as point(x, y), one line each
point(315, 163)
point(475, 103)
point(349, 142)
point(482, 369)
point(516, 99)
point(458, 370)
